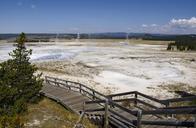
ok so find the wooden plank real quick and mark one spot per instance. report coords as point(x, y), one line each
point(123, 108)
point(128, 123)
point(64, 94)
point(77, 107)
point(69, 97)
point(171, 111)
point(125, 114)
point(93, 106)
point(149, 117)
point(121, 94)
point(117, 123)
point(80, 99)
point(121, 116)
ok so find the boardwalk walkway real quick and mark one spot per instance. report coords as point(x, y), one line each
point(136, 110)
point(72, 100)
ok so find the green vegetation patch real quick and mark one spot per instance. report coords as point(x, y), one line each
point(183, 43)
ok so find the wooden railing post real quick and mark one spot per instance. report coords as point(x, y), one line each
point(194, 120)
point(110, 99)
point(46, 79)
point(84, 104)
point(139, 119)
point(135, 102)
point(82, 114)
point(55, 81)
point(167, 105)
point(93, 95)
point(106, 122)
point(80, 88)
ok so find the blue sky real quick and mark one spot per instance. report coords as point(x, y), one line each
point(57, 16)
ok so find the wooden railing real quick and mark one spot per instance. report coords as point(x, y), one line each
point(159, 107)
point(95, 96)
point(110, 102)
point(152, 100)
point(109, 112)
point(75, 86)
point(191, 110)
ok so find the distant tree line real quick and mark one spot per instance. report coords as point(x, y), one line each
point(107, 35)
point(183, 43)
point(37, 40)
point(44, 37)
point(158, 37)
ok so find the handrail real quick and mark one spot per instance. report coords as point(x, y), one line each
point(101, 99)
point(151, 98)
point(165, 102)
point(138, 93)
point(112, 103)
point(122, 100)
point(169, 123)
point(79, 86)
point(178, 110)
point(179, 107)
point(94, 110)
point(71, 86)
point(171, 110)
point(190, 98)
point(121, 94)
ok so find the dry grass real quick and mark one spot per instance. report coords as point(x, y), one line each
point(49, 114)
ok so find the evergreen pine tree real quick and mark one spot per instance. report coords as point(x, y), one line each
point(19, 83)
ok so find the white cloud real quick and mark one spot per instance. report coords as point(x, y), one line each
point(184, 23)
point(174, 26)
point(153, 25)
point(144, 25)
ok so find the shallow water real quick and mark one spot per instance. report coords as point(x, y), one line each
point(45, 52)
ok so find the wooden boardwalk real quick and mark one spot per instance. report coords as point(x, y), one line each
point(111, 111)
point(72, 100)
